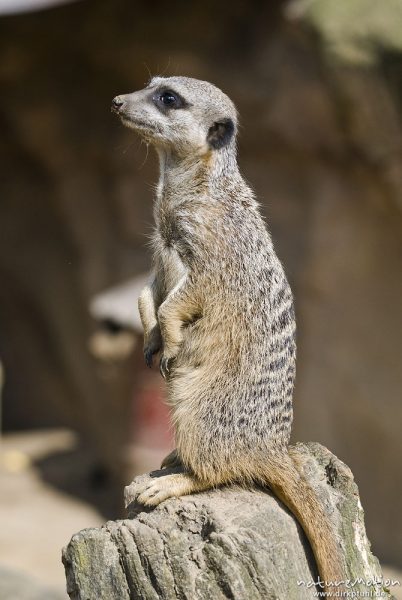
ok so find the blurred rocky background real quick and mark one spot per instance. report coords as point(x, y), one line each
point(318, 84)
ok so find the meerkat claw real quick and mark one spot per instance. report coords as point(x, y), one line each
point(152, 498)
point(164, 367)
point(168, 486)
point(155, 492)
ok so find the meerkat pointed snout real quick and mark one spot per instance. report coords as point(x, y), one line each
point(219, 311)
point(182, 114)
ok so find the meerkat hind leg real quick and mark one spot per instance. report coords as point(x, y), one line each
point(168, 486)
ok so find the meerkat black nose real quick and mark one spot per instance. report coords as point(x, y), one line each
point(117, 103)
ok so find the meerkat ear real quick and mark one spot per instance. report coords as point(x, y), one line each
point(220, 133)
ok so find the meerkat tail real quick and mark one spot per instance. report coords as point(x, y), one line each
point(285, 480)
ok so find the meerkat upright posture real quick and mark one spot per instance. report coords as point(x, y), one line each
point(220, 311)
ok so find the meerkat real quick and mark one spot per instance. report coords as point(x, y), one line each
point(219, 310)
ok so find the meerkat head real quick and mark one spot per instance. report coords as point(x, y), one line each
point(180, 114)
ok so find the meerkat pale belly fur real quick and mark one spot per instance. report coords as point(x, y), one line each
point(220, 311)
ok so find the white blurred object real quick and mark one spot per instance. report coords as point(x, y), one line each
point(9, 7)
point(14, 461)
point(119, 304)
point(112, 347)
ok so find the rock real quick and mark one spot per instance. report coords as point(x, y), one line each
point(226, 543)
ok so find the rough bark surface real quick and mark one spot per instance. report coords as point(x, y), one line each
point(226, 543)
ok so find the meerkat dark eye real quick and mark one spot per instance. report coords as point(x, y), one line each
point(168, 98)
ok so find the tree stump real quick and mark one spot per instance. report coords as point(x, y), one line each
point(226, 543)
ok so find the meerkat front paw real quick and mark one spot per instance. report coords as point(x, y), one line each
point(172, 460)
point(152, 345)
point(165, 366)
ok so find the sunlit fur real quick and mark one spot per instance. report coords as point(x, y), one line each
point(220, 309)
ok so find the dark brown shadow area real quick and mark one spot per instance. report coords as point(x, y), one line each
point(76, 472)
